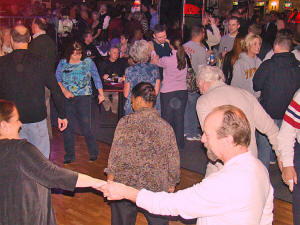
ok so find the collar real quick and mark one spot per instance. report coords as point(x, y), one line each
point(215, 85)
point(38, 34)
point(146, 110)
point(238, 158)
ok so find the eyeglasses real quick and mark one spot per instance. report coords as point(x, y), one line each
point(76, 53)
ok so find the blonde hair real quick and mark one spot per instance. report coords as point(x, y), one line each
point(248, 41)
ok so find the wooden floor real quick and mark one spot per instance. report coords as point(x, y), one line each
point(88, 207)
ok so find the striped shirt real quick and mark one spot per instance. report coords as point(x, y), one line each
point(289, 131)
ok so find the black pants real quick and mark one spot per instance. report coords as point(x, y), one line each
point(79, 108)
point(172, 110)
point(124, 212)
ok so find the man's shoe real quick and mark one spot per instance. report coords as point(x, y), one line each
point(68, 161)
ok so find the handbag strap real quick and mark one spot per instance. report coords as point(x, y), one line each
point(188, 61)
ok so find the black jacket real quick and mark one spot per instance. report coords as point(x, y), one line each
point(44, 46)
point(278, 79)
point(23, 77)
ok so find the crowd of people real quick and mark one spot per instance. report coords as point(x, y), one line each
point(245, 103)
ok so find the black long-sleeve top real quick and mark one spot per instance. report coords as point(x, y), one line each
point(23, 77)
point(26, 177)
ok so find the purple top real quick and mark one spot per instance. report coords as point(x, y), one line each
point(174, 79)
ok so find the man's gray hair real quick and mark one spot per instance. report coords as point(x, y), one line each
point(140, 51)
point(209, 73)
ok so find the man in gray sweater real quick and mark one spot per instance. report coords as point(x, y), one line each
point(210, 81)
point(226, 43)
point(198, 55)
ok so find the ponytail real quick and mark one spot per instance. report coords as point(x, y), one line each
point(180, 55)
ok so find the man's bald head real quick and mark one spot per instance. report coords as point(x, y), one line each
point(20, 34)
point(234, 123)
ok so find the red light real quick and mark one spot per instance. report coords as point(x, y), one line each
point(294, 18)
point(191, 9)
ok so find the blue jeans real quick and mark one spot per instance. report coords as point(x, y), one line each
point(79, 108)
point(191, 122)
point(264, 148)
point(296, 192)
point(37, 134)
point(172, 110)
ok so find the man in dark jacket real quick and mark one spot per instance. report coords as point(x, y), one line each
point(23, 78)
point(43, 46)
point(278, 79)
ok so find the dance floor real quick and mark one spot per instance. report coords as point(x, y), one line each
point(88, 207)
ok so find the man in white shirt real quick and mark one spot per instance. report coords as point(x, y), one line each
point(239, 194)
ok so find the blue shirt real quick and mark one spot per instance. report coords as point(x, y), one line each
point(154, 20)
point(76, 78)
point(140, 72)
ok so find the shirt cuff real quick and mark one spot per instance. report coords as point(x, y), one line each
point(141, 198)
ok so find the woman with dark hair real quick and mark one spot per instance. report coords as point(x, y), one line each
point(96, 27)
point(143, 154)
point(173, 92)
point(74, 75)
point(26, 176)
point(231, 57)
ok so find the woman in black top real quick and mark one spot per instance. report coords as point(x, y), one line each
point(26, 176)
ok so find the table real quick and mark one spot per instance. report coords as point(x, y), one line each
point(116, 87)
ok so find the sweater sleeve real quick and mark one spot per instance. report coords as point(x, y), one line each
point(44, 172)
point(173, 159)
point(116, 151)
point(288, 131)
point(162, 62)
point(237, 75)
point(58, 73)
point(215, 37)
point(56, 92)
point(95, 75)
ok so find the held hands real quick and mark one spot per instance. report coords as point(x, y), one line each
point(98, 184)
point(113, 190)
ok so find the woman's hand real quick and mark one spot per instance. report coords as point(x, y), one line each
point(68, 94)
point(101, 99)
